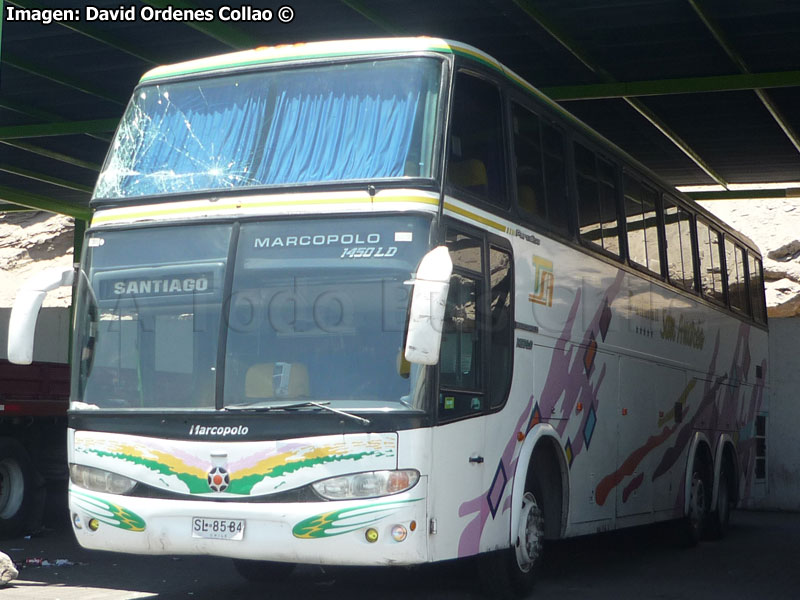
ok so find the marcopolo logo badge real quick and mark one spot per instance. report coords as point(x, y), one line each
point(219, 430)
point(218, 479)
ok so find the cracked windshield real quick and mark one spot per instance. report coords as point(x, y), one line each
point(313, 311)
point(367, 120)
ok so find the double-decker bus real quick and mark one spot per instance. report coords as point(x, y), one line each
point(382, 302)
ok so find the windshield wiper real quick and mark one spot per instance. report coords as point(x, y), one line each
point(259, 407)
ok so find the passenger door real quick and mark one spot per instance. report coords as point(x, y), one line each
point(474, 378)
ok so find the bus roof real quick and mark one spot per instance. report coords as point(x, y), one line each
point(316, 50)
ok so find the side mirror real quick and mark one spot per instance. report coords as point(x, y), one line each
point(25, 312)
point(428, 303)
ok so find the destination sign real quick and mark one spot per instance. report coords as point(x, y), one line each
point(120, 285)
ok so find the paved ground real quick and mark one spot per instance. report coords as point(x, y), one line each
point(758, 559)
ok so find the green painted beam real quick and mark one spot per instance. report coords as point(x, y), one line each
point(43, 115)
point(60, 78)
point(555, 31)
point(47, 153)
point(38, 202)
point(371, 15)
point(787, 193)
point(71, 185)
point(664, 87)
point(736, 58)
point(11, 132)
point(13, 208)
point(30, 111)
point(93, 33)
point(561, 36)
point(219, 30)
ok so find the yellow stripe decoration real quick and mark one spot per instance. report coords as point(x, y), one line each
point(176, 209)
point(475, 217)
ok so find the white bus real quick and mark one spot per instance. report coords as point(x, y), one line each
point(381, 302)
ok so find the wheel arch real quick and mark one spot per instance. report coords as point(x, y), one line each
point(542, 455)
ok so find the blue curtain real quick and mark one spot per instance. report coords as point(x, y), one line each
point(333, 123)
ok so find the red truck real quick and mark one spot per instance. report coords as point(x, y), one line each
point(33, 416)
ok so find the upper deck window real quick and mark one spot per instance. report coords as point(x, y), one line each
point(339, 122)
point(641, 213)
point(477, 161)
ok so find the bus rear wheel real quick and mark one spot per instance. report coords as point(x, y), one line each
point(719, 521)
point(263, 571)
point(694, 523)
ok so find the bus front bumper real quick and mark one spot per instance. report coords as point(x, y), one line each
point(375, 531)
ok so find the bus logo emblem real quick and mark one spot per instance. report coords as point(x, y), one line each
point(218, 479)
point(543, 280)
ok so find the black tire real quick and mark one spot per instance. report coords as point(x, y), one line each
point(696, 520)
point(263, 571)
point(512, 573)
point(720, 518)
point(19, 489)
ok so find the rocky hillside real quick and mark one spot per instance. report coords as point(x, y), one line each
point(775, 226)
point(30, 242)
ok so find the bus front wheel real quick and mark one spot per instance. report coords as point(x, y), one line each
point(512, 573)
point(528, 547)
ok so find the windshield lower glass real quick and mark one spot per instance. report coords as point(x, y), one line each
point(149, 309)
point(339, 122)
point(314, 312)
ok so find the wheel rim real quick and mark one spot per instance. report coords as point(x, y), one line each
point(697, 503)
point(12, 488)
point(530, 534)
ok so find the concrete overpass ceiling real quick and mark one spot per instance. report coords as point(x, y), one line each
point(700, 91)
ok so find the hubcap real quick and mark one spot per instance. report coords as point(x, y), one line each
point(531, 533)
point(697, 503)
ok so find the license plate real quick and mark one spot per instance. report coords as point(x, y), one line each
point(218, 529)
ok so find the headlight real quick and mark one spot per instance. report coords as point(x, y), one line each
point(366, 485)
point(98, 480)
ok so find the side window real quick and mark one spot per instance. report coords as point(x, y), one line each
point(476, 163)
point(597, 200)
point(678, 229)
point(460, 372)
point(734, 261)
point(540, 172)
point(461, 348)
point(756, 287)
point(501, 278)
point(641, 218)
point(709, 250)
point(529, 163)
point(477, 354)
point(555, 177)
